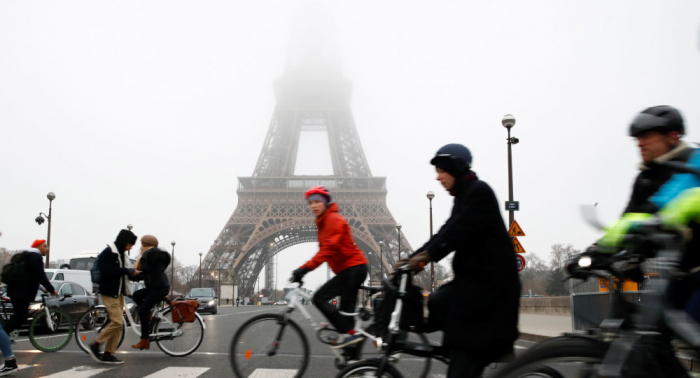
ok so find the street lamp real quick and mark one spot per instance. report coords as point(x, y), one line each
point(200, 269)
point(508, 122)
point(40, 219)
point(129, 226)
point(381, 260)
point(430, 196)
point(172, 269)
point(256, 301)
point(398, 229)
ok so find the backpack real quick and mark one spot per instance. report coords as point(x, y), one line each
point(95, 274)
point(16, 270)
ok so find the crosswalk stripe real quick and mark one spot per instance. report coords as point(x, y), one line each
point(78, 372)
point(179, 372)
point(273, 373)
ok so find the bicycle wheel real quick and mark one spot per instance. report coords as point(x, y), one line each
point(181, 339)
point(265, 343)
point(90, 325)
point(367, 369)
point(52, 335)
point(418, 366)
point(556, 358)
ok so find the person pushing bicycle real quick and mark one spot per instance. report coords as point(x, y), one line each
point(348, 262)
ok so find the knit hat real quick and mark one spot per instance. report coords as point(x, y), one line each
point(38, 242)
point(149, 240)
point(318, 197)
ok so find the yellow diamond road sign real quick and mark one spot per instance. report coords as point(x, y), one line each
point(515, 229)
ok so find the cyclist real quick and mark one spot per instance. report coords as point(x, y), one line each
point(152, 265)
point(114, 266)
point(338, 249)
point(21, 293)
point(478, 310)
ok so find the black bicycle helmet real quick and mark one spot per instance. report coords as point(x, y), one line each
point(662, 118)
point(457, 157)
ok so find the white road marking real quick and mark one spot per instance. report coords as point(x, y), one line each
point(78, 372)
point(273, 373)
point(178, 372)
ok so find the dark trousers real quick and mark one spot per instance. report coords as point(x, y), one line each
point(21, 309)
point(345, 284)
point(463, 365)
point(146, 299)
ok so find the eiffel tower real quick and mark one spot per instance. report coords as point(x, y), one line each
point(271, 214)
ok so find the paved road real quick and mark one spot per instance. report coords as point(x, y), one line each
point(210, 360)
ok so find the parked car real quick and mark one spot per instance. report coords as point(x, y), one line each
point(72, 299)
point(207, 297)
point(282, 303)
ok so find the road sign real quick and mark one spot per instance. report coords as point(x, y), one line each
point(515, 229)
point(520, 261)
point(512, 206)
point(517, 247)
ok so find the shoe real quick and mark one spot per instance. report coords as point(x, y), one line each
point(9, 367)
point(349, 340)
point(142, 344)
point(94, 352)
point(108, 358)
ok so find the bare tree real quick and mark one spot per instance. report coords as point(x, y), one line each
point(534, 277)
point(560, 254)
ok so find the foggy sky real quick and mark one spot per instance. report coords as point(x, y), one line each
point(147, 112)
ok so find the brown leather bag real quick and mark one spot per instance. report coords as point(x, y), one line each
point(184, 311)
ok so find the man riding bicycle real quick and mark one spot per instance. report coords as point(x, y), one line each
point(338, 249)
point(478, 309)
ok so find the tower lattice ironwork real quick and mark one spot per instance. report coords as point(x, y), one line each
point(272, 214)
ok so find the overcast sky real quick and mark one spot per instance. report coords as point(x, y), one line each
point(147, 112)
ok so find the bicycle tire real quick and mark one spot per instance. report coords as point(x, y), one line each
point(84, 336)
point(54, 339)
point(248, 354)
point(538, 360)
point(411, 336)
point(367, 368)
point(191, 338)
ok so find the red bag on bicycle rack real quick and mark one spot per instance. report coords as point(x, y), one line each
point(184, 311)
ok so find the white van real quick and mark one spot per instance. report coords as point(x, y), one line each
point(81, 277)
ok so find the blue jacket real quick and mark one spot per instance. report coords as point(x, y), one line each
point(27, 288)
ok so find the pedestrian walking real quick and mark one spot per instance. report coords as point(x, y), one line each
point(115, 268)
point(238, 300)
point(152, 265)
point(22, 291)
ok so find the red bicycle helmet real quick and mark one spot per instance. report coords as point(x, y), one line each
point(318, 190)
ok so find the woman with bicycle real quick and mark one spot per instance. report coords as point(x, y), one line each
point(338, 249)
point(152, 265)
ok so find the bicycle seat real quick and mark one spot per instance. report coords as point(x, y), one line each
point(372, 289)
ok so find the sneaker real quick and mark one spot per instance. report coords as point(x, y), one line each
point(9, 367)
point(349, 340)
point(109, 358)
point(94, 352)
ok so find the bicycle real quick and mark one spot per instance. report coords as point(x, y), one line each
point(174, 339)
point(51, 329)
point(276, 341)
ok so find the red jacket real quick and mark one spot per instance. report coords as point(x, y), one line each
point(336, 245)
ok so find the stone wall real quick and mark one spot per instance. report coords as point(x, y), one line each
point(546, 305)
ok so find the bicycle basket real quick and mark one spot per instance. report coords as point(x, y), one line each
point(184, 311)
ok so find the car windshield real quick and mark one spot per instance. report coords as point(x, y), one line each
point(49, 275)
point(202, 293)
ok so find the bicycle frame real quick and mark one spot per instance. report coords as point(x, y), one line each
point(159, 314)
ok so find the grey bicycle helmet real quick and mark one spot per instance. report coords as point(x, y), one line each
point(662, 118)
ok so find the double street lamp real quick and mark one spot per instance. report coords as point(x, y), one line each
point(430, 196)
point(40, 219)
point(172, 269)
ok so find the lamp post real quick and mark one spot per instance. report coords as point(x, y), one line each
point(430, 196)
point(398, 229)
point(219, 275)
point(40, 219)
point(381, 260)
point(508, 122)
point(258, 298)
point(129, 226)
point(172, 269)
point(200, 269)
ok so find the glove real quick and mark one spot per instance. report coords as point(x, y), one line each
point(615, 234)
point(417, 262)
point(298, 274)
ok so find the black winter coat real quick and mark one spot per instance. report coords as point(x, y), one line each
point(27, 288)
point(152, 266)
point(483, 318)
point(650, 180)
point(114, 273)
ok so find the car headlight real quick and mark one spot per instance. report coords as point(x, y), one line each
point(36, 306)
point(211, 303)
point(129, 305)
